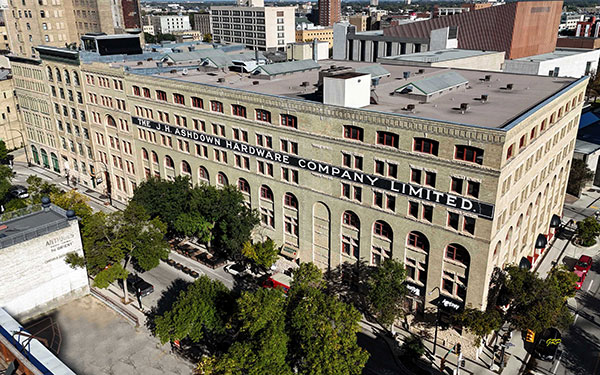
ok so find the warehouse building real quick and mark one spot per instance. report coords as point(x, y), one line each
point(453, 172)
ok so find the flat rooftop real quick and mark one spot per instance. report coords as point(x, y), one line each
point(557, 54)
point(438, 56)
point(29, 223)
point(498, 111)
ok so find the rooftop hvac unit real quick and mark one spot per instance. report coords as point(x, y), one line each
point(173, 71)
point(509, 86)
point(464, 107)
point(221, 80)
point(405, 75)
point(410, 107)
point(140, 63)
point(255, 82)
point(484, 98)
point(421, 71)
point(184, 72)
point(305, 84)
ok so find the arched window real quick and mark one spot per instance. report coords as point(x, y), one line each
point(266, 193)
point(497, 248)
point(418, 240)
point(67, 77)
point(509, 153)
point(154, 157)
point(185, 167)
point(203, 174)
point(45, 160)
point(76, 78)
point(290, 201)
point(349, 218)
point(145, 154)
point(458, 253)
point(50, 75)
point(468, 153)
point(58, 76)
point(222, 179)
point(243, 186)
point(383, 229)
point(36, 156)
point(169, 162)
point(111, 121)
point(55, 164)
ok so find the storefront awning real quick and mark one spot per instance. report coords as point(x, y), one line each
point(555, 221)
point(541, 241)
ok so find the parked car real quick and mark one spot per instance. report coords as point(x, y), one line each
point(135, 283)
point(584, 263)
point(235, 269)
point(18, 191)
point(547, 345)
point(581, 275)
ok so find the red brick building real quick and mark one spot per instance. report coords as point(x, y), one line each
point(330, 12)
point(520, 29)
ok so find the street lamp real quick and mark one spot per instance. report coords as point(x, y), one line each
point(437, 318)
point(107, 177)
point(22, 141)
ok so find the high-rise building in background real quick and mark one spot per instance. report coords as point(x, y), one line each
point(59, 23)
point(202, 23)
point(330, 12)
point(374, 3)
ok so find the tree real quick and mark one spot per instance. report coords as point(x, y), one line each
point(564, 280)
point(307, 276)
point(262, 254)
point(323, 336)
point(588, 230)
point(207, 38)
point(593, 87)
point(413, 347)
point(386, 291)
point(3, 152)
point(198, 310)
point(480, 323)
point(73, 200)
point(261, 342)
point(194, 225)
point(5, 181)
point(579, 176)
point(111, 241)
point(39, 188)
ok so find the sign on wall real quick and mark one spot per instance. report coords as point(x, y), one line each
point(483, 210)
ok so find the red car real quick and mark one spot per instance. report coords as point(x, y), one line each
point(584, 263)
point(581, 274)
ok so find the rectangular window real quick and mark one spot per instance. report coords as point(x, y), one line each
point(430, 178)
point(347, 160)
point(242, 162)
point(456, 185)
point(216, 106)
point(391, 202)
point(415, 175)
point(238, 110)
point(178, 99)
point(353, 132)
point(378, 199)
point(453, 220)
point(289, 147)
point(346, 190)
point(146, 92)
point(161, 95)
point(468, 153)
point(289, 121)
point(289, 175)
point(469, 225)
point(387, 139)
point(202, 151)
point(264, 140)
point(428, 213)
point(424, 145)
point(263, 115)
point(413, 209)
point(380, 167)
point(392, 170)
point(473, 189)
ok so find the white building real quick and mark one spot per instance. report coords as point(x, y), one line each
point(568, 21)
point(149, 29)
point(263, 28)
point(563, 62)
point(168, 24)
point(34, 277)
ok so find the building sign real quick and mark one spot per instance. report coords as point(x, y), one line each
point(448, 303)
point(483, 210)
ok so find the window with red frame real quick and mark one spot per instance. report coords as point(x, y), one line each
point(238, 110)
point(533, 132)
point(216, 106)
point(350, 218)
point(509, 152)
point(263, 115)
point(387, 139)
point(381, 228)
point(469, 153)
point(137, 91)
point(161, 95)
point(244, 186)
point(457, 253)
point(353, 132)
point(453, 219)
point(178, 99)
point(197, 102)
point(428, 146)
point(416, 239)
point(522, 142)
point(289, 200)
point(289, 121)
point(146, 92)
point(266, 193)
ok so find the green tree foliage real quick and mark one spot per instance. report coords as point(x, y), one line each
point(199, 310)
point(323, 336)
point(593, 87)
point(387, 291)
point(413, 347)
point(535, 303)
point(207, 38)
point(588, 230)
point(3, 152)
point(39, 188)
point(261, 341)
point(194, 225)
point(307, 276)
point(564, 280)
point(73, 200)
point(149, 38)
point(262, 254)
point(579, 176)
point(6, 175)
point(480, 323)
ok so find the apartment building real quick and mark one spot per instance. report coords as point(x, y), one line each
point(323, 34)
point(262, 28)
point(202, 23)
point(58, 23)
point(330, 12)
point(169, 24)
point(10, 123)
point(339, 171)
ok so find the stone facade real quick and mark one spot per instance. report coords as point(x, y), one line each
point(317, 213)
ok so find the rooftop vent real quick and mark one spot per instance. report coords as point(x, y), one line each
point(405, 75)
point(149, 59)
point(464, 107)
point(509, 86)
point(305, 84)
point(221, 80)
point(484, 98)
point(255, 82)
point(173, 71)
point(410, 107)
point(140, 63)
point(486, 78)
point(421, 71)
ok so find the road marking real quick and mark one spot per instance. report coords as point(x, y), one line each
point(590, 287)
point(594, 207)
point(557, 362)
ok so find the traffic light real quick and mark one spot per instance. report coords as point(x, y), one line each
point(458, 349)
point(530, 337)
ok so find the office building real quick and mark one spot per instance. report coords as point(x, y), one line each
point(330, 12)
point(563, 62)
point(10, 124)
point(453, 172)
point(39, 238)
point(202, 23)
point(590, 28)
point(127, 16)
point(323, 34)
point(169, 24)
point(578, 42)
point(359, 21)
point(257, 27)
